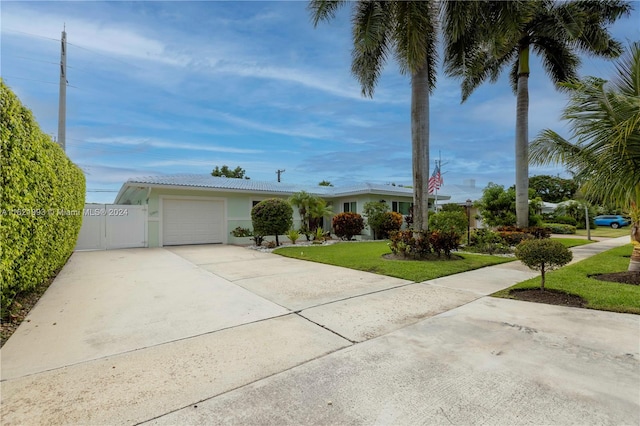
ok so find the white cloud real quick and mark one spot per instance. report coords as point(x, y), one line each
point(155, 143)
point(93, 35)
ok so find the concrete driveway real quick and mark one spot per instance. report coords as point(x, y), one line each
point(222, 334)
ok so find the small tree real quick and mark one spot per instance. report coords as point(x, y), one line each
point(273, 216)
point(543, 255)
point(348, 224)
point(225, 171)
point(374, 211)
point(498, 206)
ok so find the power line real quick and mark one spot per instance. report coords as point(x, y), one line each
point(29, 79)
point(31, 34)
point(39, 81)
point(35, 60)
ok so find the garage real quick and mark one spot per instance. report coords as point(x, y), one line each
point(193, 221)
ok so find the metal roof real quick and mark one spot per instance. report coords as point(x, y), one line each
point(250, 185)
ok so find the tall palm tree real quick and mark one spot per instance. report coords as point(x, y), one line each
point(483, 37)
point(603, 152)
point(408, 31)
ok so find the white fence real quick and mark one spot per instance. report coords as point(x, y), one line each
point(112, 226)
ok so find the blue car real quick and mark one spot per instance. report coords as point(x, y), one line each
point(614, 221)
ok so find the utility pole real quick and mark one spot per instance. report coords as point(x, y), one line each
point(62, 105)
point(279, 172)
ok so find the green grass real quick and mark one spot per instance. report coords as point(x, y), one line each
point(602, 295)
point(367, 256)
point(572, 242)
point(606, 231)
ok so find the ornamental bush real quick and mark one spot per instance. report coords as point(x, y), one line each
point(273, 216)
point(42, 201)
point(444, 242)
point(390, 222)
point(487, 241)
point(449, 221)
point(559, 228)
point(374, 212)
point(567, 220)
point(543, 255)
point(347, 224)
point(406, 243)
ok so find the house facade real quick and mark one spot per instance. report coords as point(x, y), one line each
point(203, 209)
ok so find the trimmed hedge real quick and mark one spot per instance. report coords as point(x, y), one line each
point(560, 228)
point(41, 204)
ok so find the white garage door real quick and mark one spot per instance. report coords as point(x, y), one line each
point(192, 222)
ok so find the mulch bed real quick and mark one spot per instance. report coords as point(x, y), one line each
point(626, 277)
point(550, 297)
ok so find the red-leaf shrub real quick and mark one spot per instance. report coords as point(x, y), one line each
point(391, 221)
point(348, 224)
point(441, 241)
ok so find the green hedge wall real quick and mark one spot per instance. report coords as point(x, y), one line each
point(41, 201)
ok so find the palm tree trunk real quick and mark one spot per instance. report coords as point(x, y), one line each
point(634, 262)
point(522, 139)
point(420, 146)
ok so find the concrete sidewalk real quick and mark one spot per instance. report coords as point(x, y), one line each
point(231, 331)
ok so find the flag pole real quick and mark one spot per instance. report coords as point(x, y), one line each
point(435, 201)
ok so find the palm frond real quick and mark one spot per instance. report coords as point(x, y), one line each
point(627, 79)
point(372, 29)
point(415, 37)
point(324, 10)
point(559, 62)
point(604, 148)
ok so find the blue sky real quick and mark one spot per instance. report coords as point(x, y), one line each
point(180, 87)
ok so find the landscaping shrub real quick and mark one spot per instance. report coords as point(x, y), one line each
point(240, 232)
point(531, 232)
point(559, 228)
point(348, 224)
point(390, 222)
point(406, 243)
point(293, 235)
point(374, 212)
point(41, 207)
point(513, 238)
point(273, 216)
point(543, 255)
point(444, 242)
point(567, 220)
point(453, 207)
point(488, 241)
point(575, 209)
point(449, 221)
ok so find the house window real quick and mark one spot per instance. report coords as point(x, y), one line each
point(349, 207)
point(402, 207)
point(254, 203)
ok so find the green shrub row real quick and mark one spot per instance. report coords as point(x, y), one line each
point(560, 228)
point(41, 204)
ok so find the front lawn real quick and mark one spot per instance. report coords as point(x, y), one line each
point(367, 256)
point(602, 295)
point(606, 231)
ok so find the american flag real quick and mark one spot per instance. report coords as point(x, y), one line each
point(435, 181)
